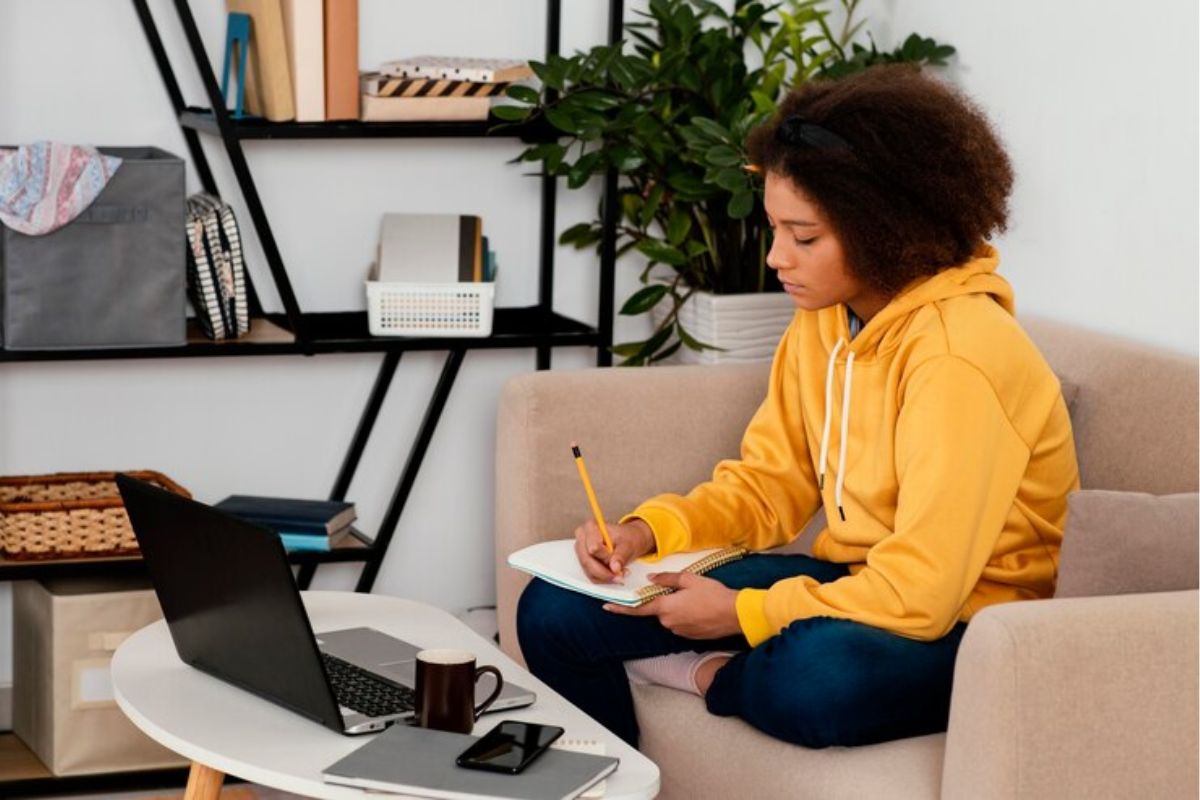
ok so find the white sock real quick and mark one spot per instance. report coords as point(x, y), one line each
point(677, 670)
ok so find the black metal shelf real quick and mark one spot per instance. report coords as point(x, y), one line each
point(344, 332)
point(295, 332)
point(205, 121)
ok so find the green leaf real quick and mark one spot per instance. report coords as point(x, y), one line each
point(625, 158)
point(552, 73)
point(643, 300)
point(661, 251)
point(678, 226)
point(653, 200)
point(573, 233)
point(762, 102)
point(693, 343)
point(583, 168)
point(512, 113)
point(713, 129)
point(741, 204)
point(631, 206)
point(731, 179)
point(663, 354)
point(656, 341)
point(562, 120)
point(723, 156)
point(525, 94)
point(596, 101)
point(627, 349)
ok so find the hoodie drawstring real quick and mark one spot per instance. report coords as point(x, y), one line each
point(845, 424)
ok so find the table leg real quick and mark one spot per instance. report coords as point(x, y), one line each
point(204, 783)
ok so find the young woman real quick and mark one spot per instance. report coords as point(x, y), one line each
point(904, 398)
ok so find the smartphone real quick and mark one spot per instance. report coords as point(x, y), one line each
point(509, 747)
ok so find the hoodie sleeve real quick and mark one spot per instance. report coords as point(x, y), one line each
point(760, 500)
point(959, 463)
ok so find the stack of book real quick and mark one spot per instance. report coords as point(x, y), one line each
point(301, 524)
point(437, 88)
point(303, 59)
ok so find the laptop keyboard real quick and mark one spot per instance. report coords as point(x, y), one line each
point(358, 689)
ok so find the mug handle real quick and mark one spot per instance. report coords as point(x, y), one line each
point(479, 709)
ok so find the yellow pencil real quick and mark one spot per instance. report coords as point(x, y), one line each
point(591, 495)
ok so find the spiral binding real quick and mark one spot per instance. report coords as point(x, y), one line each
point(709, 562)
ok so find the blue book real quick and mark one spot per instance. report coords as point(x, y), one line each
point(303, 542)
point(314, 517)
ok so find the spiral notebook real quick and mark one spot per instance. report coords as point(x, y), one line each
point(555, 562)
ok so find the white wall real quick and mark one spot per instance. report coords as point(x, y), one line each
point(1104, 233)
point(1100, 120)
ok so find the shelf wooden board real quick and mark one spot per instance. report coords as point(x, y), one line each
point(22, 774)
point(17, 762)
point(262, 331)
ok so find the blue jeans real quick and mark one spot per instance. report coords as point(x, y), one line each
point(820, 682)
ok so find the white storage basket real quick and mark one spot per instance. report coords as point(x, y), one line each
point(430, 309)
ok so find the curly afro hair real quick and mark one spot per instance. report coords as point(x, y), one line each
point(906, 169)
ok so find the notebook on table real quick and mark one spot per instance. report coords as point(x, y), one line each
point(419, 761)
point(555, 562)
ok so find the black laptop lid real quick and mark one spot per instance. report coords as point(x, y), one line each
point(230, 600)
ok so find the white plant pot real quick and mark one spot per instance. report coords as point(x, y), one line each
point(747, 326)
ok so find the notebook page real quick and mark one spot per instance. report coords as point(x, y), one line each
point(556, 562)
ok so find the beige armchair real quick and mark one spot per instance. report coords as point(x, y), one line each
point(1082, 697)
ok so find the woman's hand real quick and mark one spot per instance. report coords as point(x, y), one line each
point(631, 540)
point(699, 608)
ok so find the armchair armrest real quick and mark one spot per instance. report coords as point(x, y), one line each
point(1086, 697)
point(644, 431)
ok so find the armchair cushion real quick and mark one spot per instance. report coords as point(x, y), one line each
point(1129, 542)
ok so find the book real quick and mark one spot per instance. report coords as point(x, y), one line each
point(479, 70)
point(424, 109)
point(419, 761)
point(430, 248)
point(304, 31)
point(555, 562)
point(341, 59)
point(295, 542)
point(269, 82)
point(380, 85)
point(321, 517)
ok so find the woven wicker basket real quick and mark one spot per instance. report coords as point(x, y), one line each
point(69, 515)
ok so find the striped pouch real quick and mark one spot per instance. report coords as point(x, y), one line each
point(216, 271)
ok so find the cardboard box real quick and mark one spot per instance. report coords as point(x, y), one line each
point(64, 636)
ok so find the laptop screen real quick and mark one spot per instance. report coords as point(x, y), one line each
point(230, 600)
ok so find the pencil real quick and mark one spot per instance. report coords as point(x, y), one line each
point(591, 495)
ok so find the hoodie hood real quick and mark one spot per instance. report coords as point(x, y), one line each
point(882, 333)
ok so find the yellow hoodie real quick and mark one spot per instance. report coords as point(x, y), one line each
point(939, 441)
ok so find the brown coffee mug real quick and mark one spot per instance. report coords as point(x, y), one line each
point(446, 690)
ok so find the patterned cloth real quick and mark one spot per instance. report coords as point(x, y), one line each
point(45, 185)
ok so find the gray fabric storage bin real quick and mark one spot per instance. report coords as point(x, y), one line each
point(115, 276)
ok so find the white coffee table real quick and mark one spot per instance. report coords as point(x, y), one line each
point(225, 730)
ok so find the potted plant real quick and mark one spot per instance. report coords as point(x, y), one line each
point(671, 118)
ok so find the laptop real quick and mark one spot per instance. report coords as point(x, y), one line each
point(232, 606)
